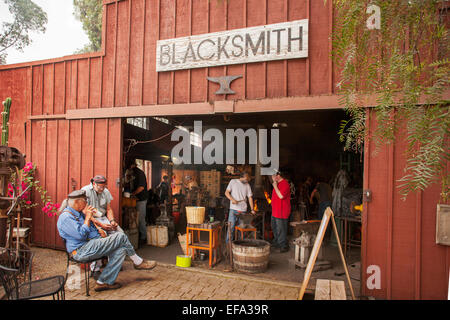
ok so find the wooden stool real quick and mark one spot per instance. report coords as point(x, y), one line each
point(242, 230)
point(212, 245)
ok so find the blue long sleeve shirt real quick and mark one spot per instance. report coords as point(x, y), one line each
point(73, 230)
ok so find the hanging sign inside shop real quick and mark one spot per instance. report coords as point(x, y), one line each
point(279, 41)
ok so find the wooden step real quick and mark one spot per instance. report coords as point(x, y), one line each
point(330, 290)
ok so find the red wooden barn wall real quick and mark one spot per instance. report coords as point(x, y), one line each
point(399, 235)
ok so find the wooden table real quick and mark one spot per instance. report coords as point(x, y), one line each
point(212, 245)
point(347, 243)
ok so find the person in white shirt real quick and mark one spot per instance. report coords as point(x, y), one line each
point(238, 190)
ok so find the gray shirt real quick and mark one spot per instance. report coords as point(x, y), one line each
point(239, 191)
point(99, 201)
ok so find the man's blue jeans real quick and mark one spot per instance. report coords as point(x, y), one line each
point(234, 220)
point(115, 247)
point(141, 207)
point(279, 229)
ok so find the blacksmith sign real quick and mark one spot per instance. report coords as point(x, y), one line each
point(279, 41)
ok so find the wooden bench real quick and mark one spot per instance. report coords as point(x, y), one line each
point(330, 290)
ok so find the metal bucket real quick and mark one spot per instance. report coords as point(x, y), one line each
point(250, 256)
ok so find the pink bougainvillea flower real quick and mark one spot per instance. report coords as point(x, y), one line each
point(28, 202)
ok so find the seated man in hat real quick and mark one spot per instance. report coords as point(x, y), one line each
point(84, 242)
point(99, 197)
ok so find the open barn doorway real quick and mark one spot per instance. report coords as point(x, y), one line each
point(309, 152)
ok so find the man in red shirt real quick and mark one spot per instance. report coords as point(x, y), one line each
point(281, 210)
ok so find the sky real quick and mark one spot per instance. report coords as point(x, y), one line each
point(63, 36)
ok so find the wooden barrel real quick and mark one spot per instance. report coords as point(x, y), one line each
point(250, 255)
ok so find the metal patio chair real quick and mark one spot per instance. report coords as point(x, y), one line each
point(87, 269)
point(15, 276)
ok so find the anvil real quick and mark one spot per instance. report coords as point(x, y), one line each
point(225, 83)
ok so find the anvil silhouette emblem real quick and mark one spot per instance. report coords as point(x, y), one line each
point(225, 83)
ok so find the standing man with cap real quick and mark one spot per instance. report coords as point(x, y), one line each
point(84, 242)
point(138, 188)
point(281, 210)
point(99, 197)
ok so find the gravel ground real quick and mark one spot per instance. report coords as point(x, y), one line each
point(47, 263)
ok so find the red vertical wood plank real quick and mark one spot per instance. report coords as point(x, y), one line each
point(116, 26)
point(75, 76)
point(330, 48)
point(377, 243)
point(87, 141)
point(403, 230)
point(37, 91)
point(434, 257)
point(48, 89)
point(275, 75)
point(297, 81)
point(99, 151)
point(109, 59)
point(208, 30)
point(285, 62)
point(308, 60)
point(418, 251)
point(95, 82)
point(151, 34)
point(199, 26)
point(68, 85)
point(83, 84)
point(28, 112)
point(106, 146)
point(38, 159)
point(144, 23)
point(135, 89)
point(115, 163)
point(255, 71)
point(217, 22)
point(366, 206)
point(182, 29)
point(172, 74)
point(92, 136)
point(130, 4)
point(29, 90)
point(74, 154)
point(62, 176)
point(167, 29)
point(43, 178)
point(88, 103)
point(236, 20)
point(319, 47)
point(16, 85)
point(389, 222)
point(121, 74)
point(189, 71)
point(51, 178)
point(60, 90)
point(43, 88)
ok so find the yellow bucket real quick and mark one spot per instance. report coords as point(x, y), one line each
point(183, 261)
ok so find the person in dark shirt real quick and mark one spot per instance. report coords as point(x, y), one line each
point(163, 189)
point(323, 191)
point(138, 188)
